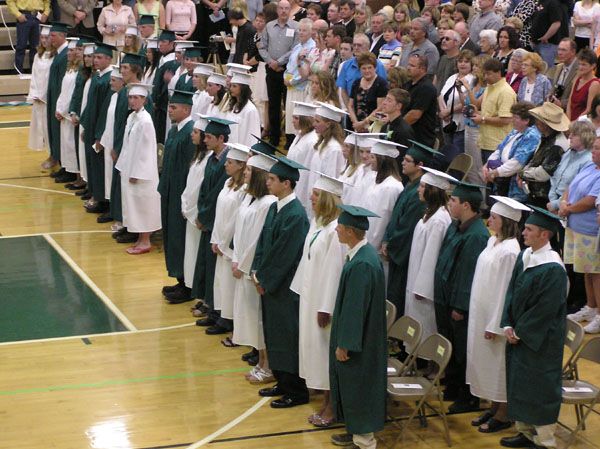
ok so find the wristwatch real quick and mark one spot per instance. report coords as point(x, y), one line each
point(482, 119)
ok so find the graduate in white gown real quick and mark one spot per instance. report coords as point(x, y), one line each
point(426, 243)
point(242, 111)
point(486, 342)
point(139, 172)
point(108, 136)
point(216, 87)
point(303, 147)
point(316, 281)
point(247, 310)
point(88, 62)
point(68, 150)
point(355, 145)
point(201, 98)
point(38, 88)
point(228, 202)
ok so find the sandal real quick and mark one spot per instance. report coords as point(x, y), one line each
point(312, 417)
point(482, 419)
point(262, 376)
point(251, 373)
point(228, 343)
point(319, 421)
point(494, 425)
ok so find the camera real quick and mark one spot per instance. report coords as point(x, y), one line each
point(469, 110)
point(559, 91)
point(216, 38)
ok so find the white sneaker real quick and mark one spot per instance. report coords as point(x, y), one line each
point(586, 313)
point(593, 327)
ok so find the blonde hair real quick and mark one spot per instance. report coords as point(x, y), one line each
point(515, 22)
point(326, 209)
point(536, 61)
point(237, 180)
point(240, 4)
point(404, 8)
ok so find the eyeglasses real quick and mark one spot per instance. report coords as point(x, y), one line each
point(447, 39)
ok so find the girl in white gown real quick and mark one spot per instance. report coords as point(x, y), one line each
point(316, 282)
point(216, 87)
point(486, 344)
point(242, 111)
point(201, 98)
point(38, 87)
point(356, 151)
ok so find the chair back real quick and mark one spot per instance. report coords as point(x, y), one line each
point(589, 351)
point(460, 166)
point(390, 314)
point(437, 349)
point(573, 340)
point(408, 330)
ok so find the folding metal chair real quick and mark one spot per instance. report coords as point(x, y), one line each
point(573, 340)
point(390, 314)
point(408, 331)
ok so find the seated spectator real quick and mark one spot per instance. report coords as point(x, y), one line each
point(488, 39)
point(367, 92)
point(431, 16)
point(535, 86)
point(508, 41)
point(594, 116)
point(181, 18)
point(420, 45)
point(585, 87)
point(362, 18)
point(514, 75)
point(389, 53)
point(113, 22)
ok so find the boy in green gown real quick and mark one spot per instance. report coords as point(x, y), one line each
point(160, 93)
point(534, 323)
point(277, 256)
point(191, 57)
point(358, 344)
point(178, 153)
point(465, 239)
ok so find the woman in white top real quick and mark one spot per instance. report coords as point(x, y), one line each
point(242, 111)
point(113, 22)
point(181, 18)
point(303, 147)
point(139, 172)
point(216, 87)
point(38, 87)
point(584, 13)
point(486, 344)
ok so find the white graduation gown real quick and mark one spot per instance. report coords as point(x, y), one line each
point(107, 141)
point(189, 208)
point(247, 311)
point(381, 198)
point(68, 151)
point(228, 202)
point(351, 193)
point(201, 101)
point(425, 248)
point(302, 151)
point(328, 160)
point(316, 281)
point(247, 125)
point(486, 364)
point(148, 77)
point(81, 151)
point(138, 159)
point(38, 88)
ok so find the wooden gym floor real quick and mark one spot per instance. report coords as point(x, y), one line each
point(145, 377)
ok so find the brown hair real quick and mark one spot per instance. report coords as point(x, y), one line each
point(306, 124)
point(326, 209)
point(333, 131)
point(257, 187)
point(366, 58)
point(536, 61)
point(237, 180)
point(509, 229)
point(327, 88)
point(401, 96)
point(521, 109)
point(434, 199)
point(397, 77)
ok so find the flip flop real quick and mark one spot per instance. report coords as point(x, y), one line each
point(483, 418)
point(319, 421)
point(494, 425)
point(135, 250)
point(228, 343)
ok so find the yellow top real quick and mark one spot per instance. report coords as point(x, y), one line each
point(497, 100)
point(28, 5)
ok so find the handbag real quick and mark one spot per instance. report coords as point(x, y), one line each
point(451, 127)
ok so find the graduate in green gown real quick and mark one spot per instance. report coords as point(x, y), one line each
point(407, 212)
point(358, 344)
point(465, 239)
point(58, 68)
point(191, 57)
point(167, 66)
point(177, 157)
point(146, 27)
point(534, 322)
point(277, 256)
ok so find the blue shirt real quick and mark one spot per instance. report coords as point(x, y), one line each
point(570, 164)
point(292, 65)
point(585, 183)
point(350, 73)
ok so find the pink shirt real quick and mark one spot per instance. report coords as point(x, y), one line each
point(110, 20)
point(181, 15)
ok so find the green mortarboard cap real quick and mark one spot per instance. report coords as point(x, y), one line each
point(193, 52)
point(262, 146)
point(422, 153)
point(167, 35)
point(181, 97)
point(218, 126)
point(104, 49)
point(287, 168)
point(134, 58)
point(59, 27)
point(468, 192)
point(147, 19)
point(355, 216)
point(544, 219)
point(84, 40)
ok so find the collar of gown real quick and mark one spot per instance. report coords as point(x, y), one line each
point(542, 256)
point(283, 202)
point(352, 252)
point(182, 123)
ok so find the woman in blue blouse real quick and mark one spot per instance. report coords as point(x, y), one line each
point(535, 86)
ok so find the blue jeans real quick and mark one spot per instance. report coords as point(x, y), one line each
point(28, 36)
point(547, 52)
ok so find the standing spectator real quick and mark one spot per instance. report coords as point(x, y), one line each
point(396, 128)
point(362, 18)
point(347, 9)
point(524, 11)
point(389, 54)
point(486, 19)
point(584, 13)
point(333, 13)
point(535, 86)
point(181, 18)
point(594, 116)
point(549, 24)
point(245, 35)
point(29, 15)
point(275, 46)
point(420, 46)
point(333, 39)
point(367, 92)
point(508, 41)
point(152, 8)
point(466, 43)
point(585, 87)
point(563, 74)
point(514, 75)
point(376, 34)
point(297, 12)
point(421, 112)
point(488, 39)
point(78, 14)
point(314, 11)
point(447, 65)
point(113, 22)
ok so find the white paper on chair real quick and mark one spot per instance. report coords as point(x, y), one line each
point(408, 386)
point(391, 370)
point(577, 390)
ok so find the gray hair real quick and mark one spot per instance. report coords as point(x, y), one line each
point(490, 35)
point(307, 22)
point(520, 53)
point(454, 35)
point(421, 22)
point(362, 37)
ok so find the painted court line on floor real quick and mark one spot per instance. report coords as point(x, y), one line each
point(36, 188)
point(85, 278)
point(37, 234)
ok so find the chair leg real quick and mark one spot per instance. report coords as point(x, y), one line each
point(442, 413)
point(581, 425)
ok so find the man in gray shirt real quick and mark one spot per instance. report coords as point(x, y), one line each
point(487, 19)
point(275, 46)
point(421, 46)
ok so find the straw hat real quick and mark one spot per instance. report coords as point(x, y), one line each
point(551, 115)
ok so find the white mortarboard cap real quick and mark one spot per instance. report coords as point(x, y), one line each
point(305, 109)
point(72, 42)
point(241, 78)
point(203, 69)
point(386, 148)
point(116, 72)
point(362, 140)
point(88, 48)
point(45, 30)
point(262, 161)
point(329, 184)
point(217, 78)
point(140, 89)
point(152, 43)
point(233, 67)
point(182, 45)
point(238, 152)
point(437, 178)
point(132, 30)
point(201, 121)
point(330, 112)
point(508, 208)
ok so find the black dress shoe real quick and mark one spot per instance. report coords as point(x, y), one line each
point(66, 177)
point(104, 218)
point(450, 394)
point(127, 237)
point(86, 196)
point(270, 392)
point(58, 173)
point(216, 330)
point(253, 361)
point(519, 440)
point(287, 402)
point(98, 208)
point(204, 322)
point(82, 192)
point(180, 295)
point(166, 288)
point(247, 355)
point(121, 231)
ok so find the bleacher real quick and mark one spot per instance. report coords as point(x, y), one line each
point(10, 83)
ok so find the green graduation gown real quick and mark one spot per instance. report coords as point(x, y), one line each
point(212, 184)
point(160, 94)
point(57, 72)
point(75, 104)
point(277, 256)
point(358, 386)
point(178, 154)
point(407, 212)
point(535, 308)
point(94, 121)
point(185, 85)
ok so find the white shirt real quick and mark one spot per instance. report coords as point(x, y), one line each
point(284, 201)
point(182, 123)
point(352, 252)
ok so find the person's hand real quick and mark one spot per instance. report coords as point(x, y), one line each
point(457, 316)
point(384, 249)
point(99, 146)
point(519, 182)
point(286, 82)
point(79, 15)
point(168, 76)
point(323, 319)
point(58, 116)
point(550, 207)
point(215, 249)
point(260, 290)
point(555, 100)
point(82, 135)
point(273, 65)
point(510, 336)
point(477, 118)
point(75, 120)
point(133, 180)
point(341, 355)
point(235, 272)
point(44, 18)
point(199, 225)
point(489, 335)
point(114, 155)
point(544, 40)
point(22, 18)
point(229, 39)
point(563, 209)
